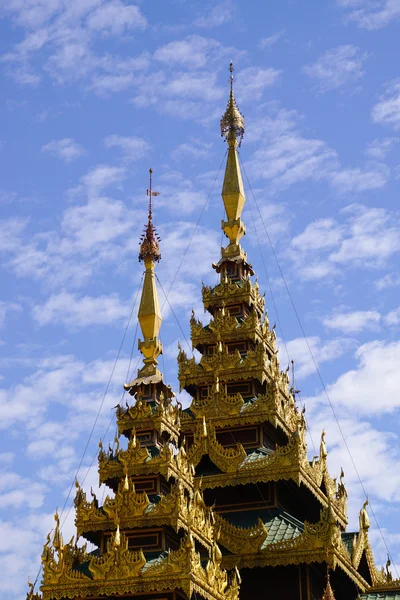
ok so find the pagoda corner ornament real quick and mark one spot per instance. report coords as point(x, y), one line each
point(217, 501)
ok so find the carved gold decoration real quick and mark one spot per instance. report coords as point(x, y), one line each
point(227, 459)
point(288, 462)
point(240, 540)
point(121, 571)
point(136, 460)
point(276, 406)
point(131, 509)
point(162, 417)
point(319, 542)
point(229, 328)
point(230, 366)
point(232, 293)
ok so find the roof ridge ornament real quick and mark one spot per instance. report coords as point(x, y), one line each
point(232, 122)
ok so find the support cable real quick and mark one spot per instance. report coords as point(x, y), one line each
point(194, 231)
point(277, 315)
point(318, 370)
point(176, 318)
point(102, 401)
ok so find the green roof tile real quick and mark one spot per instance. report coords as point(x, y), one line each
point(348, 539)
point(281, 526)
point(381, 596)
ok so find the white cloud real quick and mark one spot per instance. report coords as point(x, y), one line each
point(194, 51)
point(387, 109)
point(323, 351)
point(393, 317)
point(371, 14)
point(5, 309)
point(132, 148)
point(13, 492)
point(287, 157)
point(359, 180)
point(372, 237)
point(372, 387)
point(76, 312)
point(387, 281)
point(353, 322)
point(366, 238)
point(195, 149)
point(99, 178)
point(318, 235)
point(337, 67)
point(219, 14)
point(66, 149)
point(378, 149)
point(252, 81)
point(115, 16)
point(180, 194)
point(61, 37)
point(271, 40)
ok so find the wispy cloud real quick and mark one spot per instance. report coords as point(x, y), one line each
point(271, 40)
point(337, 68)
point(366, 238)
point(324, 351)
point(353, 322)
point(81, 311)
point(5, 309)
point(219, 14)
point(371, 14)
point(378, 149)
point(64, 38)
point(132, 148)
point(387, 110)
point(288, 157)
point(67, 149)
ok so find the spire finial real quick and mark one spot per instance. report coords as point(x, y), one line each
point(149, 247)
point(231, 78)
point(232, 123)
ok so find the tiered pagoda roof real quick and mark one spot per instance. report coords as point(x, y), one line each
point(221, 495)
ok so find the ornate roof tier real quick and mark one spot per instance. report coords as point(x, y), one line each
point(229, 293)
point(137, 460)
point(132, 509)
point(162, 417)
point(290, 462)
point(71, 572)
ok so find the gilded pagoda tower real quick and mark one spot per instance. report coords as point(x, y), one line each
point(281, 518)
point(218, 501)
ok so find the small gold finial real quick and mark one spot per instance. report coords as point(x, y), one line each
point(328, 592)
point(232, 123)
point(149, 240)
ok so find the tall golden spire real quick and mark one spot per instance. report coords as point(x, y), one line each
point(232, 129)
point(149, 314)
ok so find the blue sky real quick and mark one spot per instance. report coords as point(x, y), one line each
point(93, 93)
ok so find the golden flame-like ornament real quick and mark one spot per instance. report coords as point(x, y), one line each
point(232, 122)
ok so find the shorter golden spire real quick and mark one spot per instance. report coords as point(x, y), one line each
point(149, 247)
point(149, 314)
